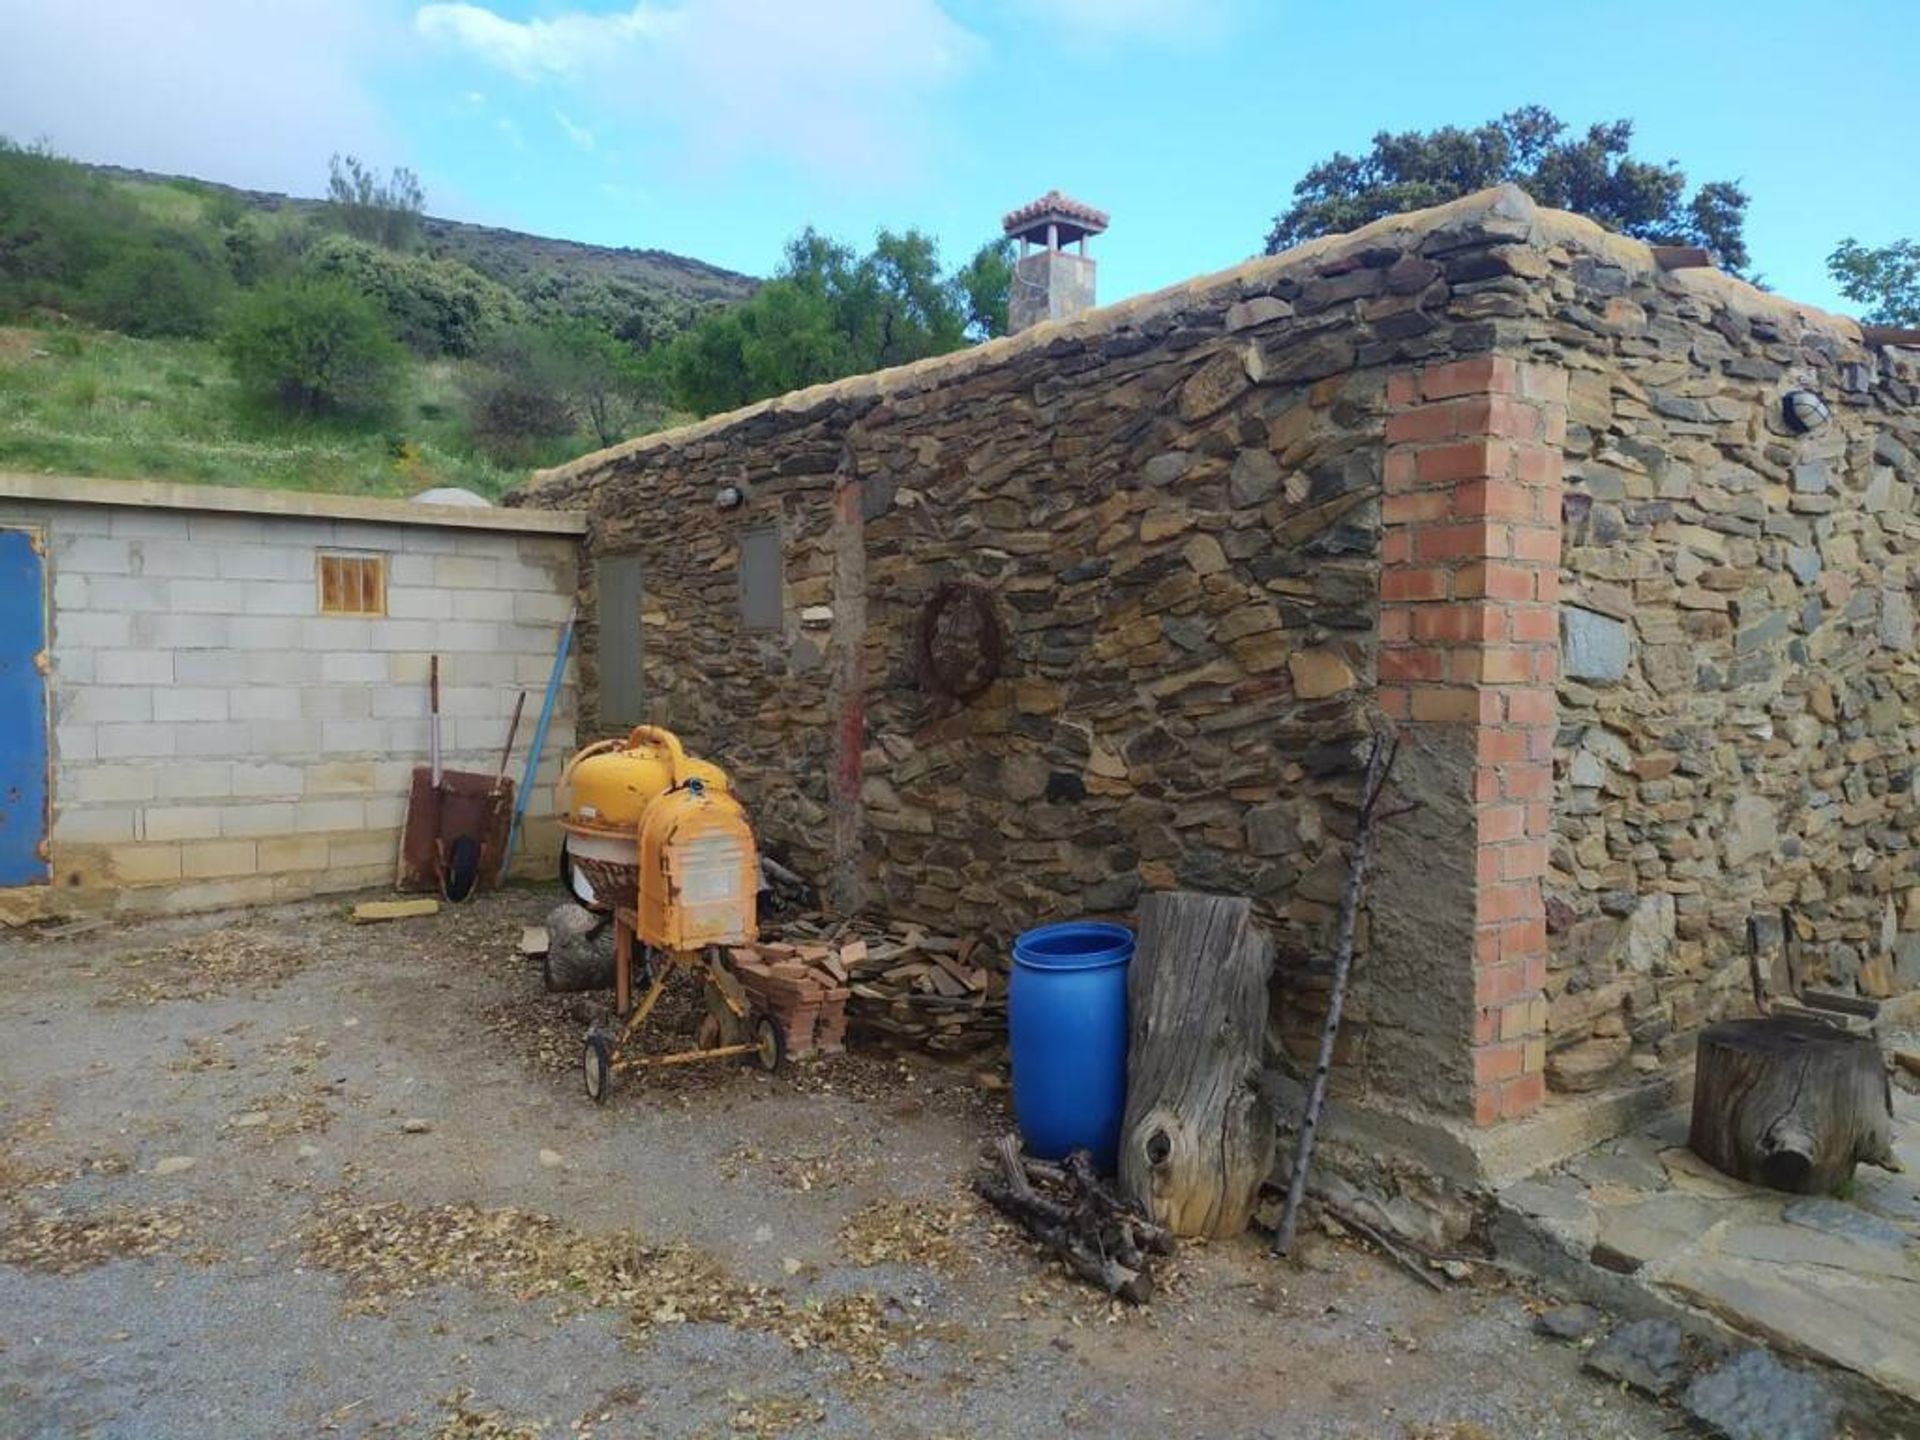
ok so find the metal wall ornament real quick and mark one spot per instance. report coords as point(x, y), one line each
point(960, 644)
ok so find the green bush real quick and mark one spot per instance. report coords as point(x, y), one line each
point(436, 307)
point(159, 287)
point(316, 347)
point(517, 401)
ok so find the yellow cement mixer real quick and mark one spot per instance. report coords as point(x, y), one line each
point(602, 795)
point(657, 838)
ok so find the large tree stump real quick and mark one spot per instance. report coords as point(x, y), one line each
point(1790, 1102)
point(1198, 1137)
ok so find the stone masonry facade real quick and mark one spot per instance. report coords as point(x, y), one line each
point(217, 741)
point(1424, 479)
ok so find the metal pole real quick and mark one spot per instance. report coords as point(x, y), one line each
point(539, 741)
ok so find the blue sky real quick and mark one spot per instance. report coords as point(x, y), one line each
point(717, 128)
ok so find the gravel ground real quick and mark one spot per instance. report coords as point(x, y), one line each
point(252, 1176)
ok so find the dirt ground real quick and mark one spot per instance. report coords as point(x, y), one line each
point(275, 1175)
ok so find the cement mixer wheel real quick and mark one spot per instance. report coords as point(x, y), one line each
point(596, 1066)
point(770, 1046)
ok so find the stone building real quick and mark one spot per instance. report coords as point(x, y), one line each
point(1622, 548)
point(217, 697)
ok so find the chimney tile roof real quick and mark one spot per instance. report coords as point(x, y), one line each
point(1054, 205)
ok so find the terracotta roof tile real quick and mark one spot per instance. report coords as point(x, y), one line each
point(1054, 204)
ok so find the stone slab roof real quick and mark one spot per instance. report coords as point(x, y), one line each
point(1505, 206)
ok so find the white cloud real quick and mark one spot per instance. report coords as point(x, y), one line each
point(539, 49)
point(235, 90)
point(580, 135)
point(840, 88)
point(1116, 20)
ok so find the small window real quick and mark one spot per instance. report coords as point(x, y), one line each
point(761, 580)
point(353, 585)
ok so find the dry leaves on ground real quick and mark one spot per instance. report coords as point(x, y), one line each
point(906, 1232)
point(767, 1418)
point(63, 1244)
point(215, 963)
point(844, 1160)
point(393, 1251)
point(275, 1117)
point(204, 1052)
point(462, 1421)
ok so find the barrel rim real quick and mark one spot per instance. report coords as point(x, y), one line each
point(1118, 951)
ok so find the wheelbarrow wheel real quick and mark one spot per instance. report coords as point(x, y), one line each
point(770, 1046)
point(596, 1067)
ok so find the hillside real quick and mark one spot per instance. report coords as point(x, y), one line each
point(499, 254)
point(120, 291)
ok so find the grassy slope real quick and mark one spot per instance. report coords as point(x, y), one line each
point(94, 403)
point(84, 402)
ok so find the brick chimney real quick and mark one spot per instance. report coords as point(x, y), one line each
point(1051, 282)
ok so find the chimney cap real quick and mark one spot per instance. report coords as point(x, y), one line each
point(1073, 220)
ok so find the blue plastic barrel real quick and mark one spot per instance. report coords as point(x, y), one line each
point(1067, 1018)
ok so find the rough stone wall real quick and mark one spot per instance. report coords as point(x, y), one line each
point(1738, 720)
point(1181, 541)
point(1176, 504)
point(216, 741)
point(756, 703)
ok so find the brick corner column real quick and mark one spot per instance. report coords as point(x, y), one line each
point(1469, 637)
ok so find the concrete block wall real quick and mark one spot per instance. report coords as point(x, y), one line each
point(216, 740)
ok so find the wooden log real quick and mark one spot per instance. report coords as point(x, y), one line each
point(1790, 1102)
point(1198, 1137)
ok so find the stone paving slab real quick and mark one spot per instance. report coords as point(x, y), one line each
point(1830, 1279)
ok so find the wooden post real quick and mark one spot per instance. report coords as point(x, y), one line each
point(1790, 1102)
point(1198, 1137)
point(623, 923)
point(1379, 769)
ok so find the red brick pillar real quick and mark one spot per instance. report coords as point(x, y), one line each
point(1469, 637)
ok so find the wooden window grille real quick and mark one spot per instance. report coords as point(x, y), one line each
point(353, 584)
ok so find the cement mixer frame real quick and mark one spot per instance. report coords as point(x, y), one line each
point(696, 886)
point(602, 1054)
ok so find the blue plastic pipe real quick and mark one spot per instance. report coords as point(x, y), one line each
point(539, 742)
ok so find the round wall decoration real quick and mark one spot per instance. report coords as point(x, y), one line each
point(960, 645)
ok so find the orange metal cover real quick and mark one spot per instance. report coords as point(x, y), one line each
point(699, 873)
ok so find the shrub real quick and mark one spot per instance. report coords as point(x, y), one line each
point(314, 347)
point(517, 402)
point(436, 307)
point(158, 286)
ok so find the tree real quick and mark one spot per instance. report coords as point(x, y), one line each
point(982, 285)
point(381, 212)
point(833, 312)
point(435, 307)
point(315, 346)
point(1886, 279)
point(1593, 174)
point(603, 378)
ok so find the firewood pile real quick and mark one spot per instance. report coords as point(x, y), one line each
point(911, 989)
point(1092, 1232)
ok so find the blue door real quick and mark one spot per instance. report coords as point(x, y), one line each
point(23, 711)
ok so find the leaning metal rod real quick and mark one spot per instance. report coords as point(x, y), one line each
point(554, 681)
point(1379, 767)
